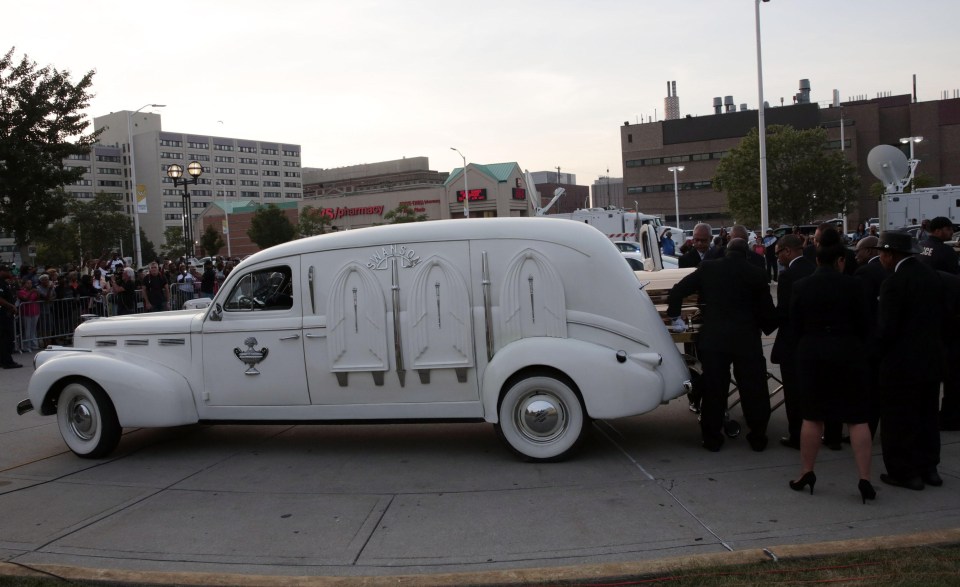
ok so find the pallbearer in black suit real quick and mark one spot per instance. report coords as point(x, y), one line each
point(701, 239)
point(910, 337)
point(871, 274)
point(790, 253)
point(737, 306)
point(829, 318)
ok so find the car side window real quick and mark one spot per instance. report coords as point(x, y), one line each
point(262, 290)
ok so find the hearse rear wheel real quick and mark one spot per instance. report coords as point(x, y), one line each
point(541, 417)
point(87, 420)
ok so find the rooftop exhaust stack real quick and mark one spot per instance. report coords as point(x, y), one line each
point(728, 104)
point(717, 105)
point(671, 104)
point(803, 96)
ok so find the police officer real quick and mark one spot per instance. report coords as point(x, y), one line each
point(934, 251)
point(8, 311)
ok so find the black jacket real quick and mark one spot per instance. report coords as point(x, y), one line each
point(735, 301)
point(786, 341)
point(939, 255)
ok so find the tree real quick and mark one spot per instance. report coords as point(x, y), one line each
point(100, 224)
point(173, 247)
point(270, 226)
point(41, 124)
point(312, 222)
point(147, 251)
point(403, 213)
point(59, 246)
point(211, 241)
point(804, 179)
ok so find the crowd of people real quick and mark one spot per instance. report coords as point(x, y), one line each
point(44, 305)
point(864, 338)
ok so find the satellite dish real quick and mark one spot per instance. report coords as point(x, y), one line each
point(888, 164)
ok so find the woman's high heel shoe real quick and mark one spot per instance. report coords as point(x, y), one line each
point(866, 490)
point(809, 478)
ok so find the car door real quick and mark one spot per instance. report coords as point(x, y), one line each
point(389, 330)
point(252, 344)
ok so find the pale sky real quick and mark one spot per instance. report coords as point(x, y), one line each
point(542, 83)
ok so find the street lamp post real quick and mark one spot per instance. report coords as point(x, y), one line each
point(913, 162)
point(137, 255)
point(175, 172)
point(466, 190)
point(676, 190)
point(764, 202)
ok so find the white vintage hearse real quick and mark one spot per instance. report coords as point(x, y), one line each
point(535, 325)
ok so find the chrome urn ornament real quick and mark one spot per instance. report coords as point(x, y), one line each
point(251, 356)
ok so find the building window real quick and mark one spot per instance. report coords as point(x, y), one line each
point(84, 182)
point(85, 168)
point(79, 157)
point(271, 173)
point(271, 194)
point(291, 184)
point(291, 153)
point(293, 195)
point(198, 157)
point(265, 151)
point(170, 155)
point(226, 193)
point(248, 194)
point(109, 183)
point(291, 174)
point(222, 159)
point(217, 147)
point(250, 182)
point(629, 137)
point(248, 160)
point(108, 158)
point(226, 182)
point(170, 143)
point(270, 162)
point(193, 145)
point(271, 184)
point(109, 171)
point(291, 164)
point(224, 170)
point(248, 149)
point(248, 171)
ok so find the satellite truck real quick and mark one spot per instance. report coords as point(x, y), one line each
point(899, 208)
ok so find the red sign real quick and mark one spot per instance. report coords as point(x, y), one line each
point(519, 194)
point(475, 195)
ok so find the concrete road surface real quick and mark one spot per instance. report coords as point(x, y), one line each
point(443, 503)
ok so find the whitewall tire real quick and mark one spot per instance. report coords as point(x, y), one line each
point(541, 417)
point(87, 420)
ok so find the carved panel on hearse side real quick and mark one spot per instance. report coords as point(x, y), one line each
point(532, 300)
point(356, 321)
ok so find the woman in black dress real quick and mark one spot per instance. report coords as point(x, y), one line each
point(828, 312)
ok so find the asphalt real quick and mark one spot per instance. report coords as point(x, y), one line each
point(431, 504)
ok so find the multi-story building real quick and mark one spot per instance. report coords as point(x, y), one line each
point(233, 170)
point(698, 143)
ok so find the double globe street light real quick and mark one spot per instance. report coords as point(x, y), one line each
point(175, 172)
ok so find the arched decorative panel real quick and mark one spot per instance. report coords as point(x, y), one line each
point(532, 301)
point(356, 322)
point(438, 308)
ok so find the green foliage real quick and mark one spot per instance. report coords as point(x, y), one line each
point(147, 252)
point(211, 241)
point(41, 124)
point(270, 226)
point(312, 222)
point(805, 180)
point(403, 213)
point(60, 245)
point(173, 248)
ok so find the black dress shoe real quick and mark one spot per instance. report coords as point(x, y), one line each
point(790, 442)
point(713, 445)
point(758, 442)
point(914, 483)
point(932, 478)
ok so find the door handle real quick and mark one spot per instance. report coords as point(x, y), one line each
point(291, 337)
point(316, 336)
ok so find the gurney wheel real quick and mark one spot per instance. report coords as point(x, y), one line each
point(731, 428)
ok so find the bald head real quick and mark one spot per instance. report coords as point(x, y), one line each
point(737, 245)
point(866, 249)
point(739, 231)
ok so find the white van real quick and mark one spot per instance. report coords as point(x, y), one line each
point(534, 325)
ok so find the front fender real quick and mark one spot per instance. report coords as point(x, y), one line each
point(610, 388)
point(144, 395)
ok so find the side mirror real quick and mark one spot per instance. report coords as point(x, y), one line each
point(217, 313)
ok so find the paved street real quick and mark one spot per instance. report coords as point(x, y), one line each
point(383, 501)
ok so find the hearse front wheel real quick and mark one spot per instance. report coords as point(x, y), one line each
point(87, 420)
point(541, 417)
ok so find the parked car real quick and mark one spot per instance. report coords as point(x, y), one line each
point(497, 320)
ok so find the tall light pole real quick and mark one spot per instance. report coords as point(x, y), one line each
point(466, 190)
point(913, 162)
point(764, 201)
point(137, 255)
point(175, 172)
point(676, 190)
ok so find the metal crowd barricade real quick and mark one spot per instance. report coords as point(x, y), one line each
point(42, 323)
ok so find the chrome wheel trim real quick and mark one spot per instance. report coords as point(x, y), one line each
point(541, 417)
point(83, 418)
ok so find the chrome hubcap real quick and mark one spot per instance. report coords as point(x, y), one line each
point(541, 417)
point(82, 419)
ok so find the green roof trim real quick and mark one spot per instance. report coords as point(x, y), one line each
point(500, 172)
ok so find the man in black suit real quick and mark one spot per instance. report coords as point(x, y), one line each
point(910, 339)
point(701, 239)
point(790, 253)
point(736, 306)
point(871, 274)
point(740, 231)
